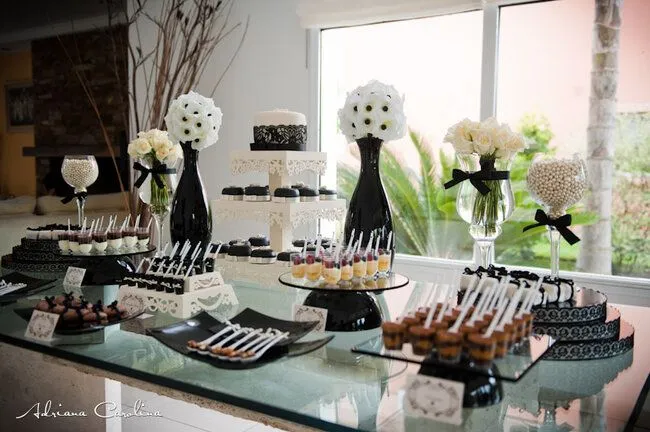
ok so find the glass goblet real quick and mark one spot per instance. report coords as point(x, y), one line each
point(79, 172)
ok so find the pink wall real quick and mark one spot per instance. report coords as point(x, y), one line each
point(545, 65)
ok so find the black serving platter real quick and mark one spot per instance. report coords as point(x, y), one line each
point(34, 286)
point(512, 367)
point(204, 325)
point(63, 328)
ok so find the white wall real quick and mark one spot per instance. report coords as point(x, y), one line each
point(269, 72)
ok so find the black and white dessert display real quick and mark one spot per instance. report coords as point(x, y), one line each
point(308, 194)
point(233, 193)
point(578, 317)
point(257, 193)
point(239, 252)
point(259, 241)
point(263, 255)
point(279, 130)
point(326, 194)
point(286, 194)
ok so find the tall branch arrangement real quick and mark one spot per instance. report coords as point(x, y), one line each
point(187, 34)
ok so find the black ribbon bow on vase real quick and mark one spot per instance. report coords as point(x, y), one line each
point(79, 195)
point(155, 173)
point(562, 224)
point(476, 178)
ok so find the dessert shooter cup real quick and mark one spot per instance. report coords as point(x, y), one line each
point(115, 238)
point(482, 349)
point(410, 321)
point(502, 339)
point(384, 258)
point(393, 334)
point(466, 331)
point(332, 270)
point(85, 242)
point(100, 241)
point(382, 282)
point(314, 267)
point(449, 346)
point(422, 339)
point(73, 241)
point(297, 265)
point(346, 267)
point(371, 264)
point(519, 329)
point(143, 236)
point(130, 237)
point(528, 319)
point(359, 265)
point(510, 329)
point(64, 245)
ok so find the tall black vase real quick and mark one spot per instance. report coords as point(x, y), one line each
point(191, 217)
point(368, 211)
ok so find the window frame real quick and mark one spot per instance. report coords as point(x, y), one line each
point(627, 289)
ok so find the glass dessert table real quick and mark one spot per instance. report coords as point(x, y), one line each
point(334, 388)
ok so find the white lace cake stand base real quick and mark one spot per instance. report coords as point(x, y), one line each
point(181, 306)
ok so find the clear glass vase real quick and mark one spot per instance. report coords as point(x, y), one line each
point(485, 213)
point(158, 198)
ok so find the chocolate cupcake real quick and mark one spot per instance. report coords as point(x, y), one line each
point(286, 194)
point(308, 194)
point(233, 193)
point(257, 193)
point(285, 257)
point(264, 255)
point(259, 241)
point(239, 252)
point(327, 194)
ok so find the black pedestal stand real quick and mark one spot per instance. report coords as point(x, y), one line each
point(480, 391)
point(347, 310)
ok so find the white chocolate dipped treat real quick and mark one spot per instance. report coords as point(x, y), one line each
point(279, 117)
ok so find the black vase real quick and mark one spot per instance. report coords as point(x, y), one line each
point(191, 217)
point(368, 211)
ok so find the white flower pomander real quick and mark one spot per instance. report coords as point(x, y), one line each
point(373, 110)
point(487, 139)
point(195, 118)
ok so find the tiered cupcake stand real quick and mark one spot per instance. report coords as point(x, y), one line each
point(282, 218)
point(586, 328)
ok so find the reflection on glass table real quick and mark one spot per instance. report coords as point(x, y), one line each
point(335, 389)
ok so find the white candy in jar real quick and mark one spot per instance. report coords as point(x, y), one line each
point(79, 173)
point(557, 183)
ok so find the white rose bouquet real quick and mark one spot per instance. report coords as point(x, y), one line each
point(485, 151)
point(374, 110)
point(192, 118)
point(158, 155)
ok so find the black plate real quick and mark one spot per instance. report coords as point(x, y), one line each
point(62, 329)
point(204, 325)
point(34, 286)
point(393, 281)
point(510, 368)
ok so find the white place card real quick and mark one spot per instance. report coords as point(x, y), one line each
point(41, 326)
point(74, 276)
point(308, 313)
point(434, 398)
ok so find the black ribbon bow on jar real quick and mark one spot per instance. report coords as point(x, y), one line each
point(562, 224)
point(155, 173)
point(476, 178)
point(79, 195)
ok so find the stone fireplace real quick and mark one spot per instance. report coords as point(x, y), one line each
point(65, 121)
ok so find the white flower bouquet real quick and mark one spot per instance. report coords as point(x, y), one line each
point(485, 151)
point(192, 118)
point(374, 110)
point(158, 154)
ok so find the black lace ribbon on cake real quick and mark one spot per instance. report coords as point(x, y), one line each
point(477, 178)
point(562, 224)
point(155, 172)
point(78, 195)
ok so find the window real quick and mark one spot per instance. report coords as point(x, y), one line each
point(543, 68)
